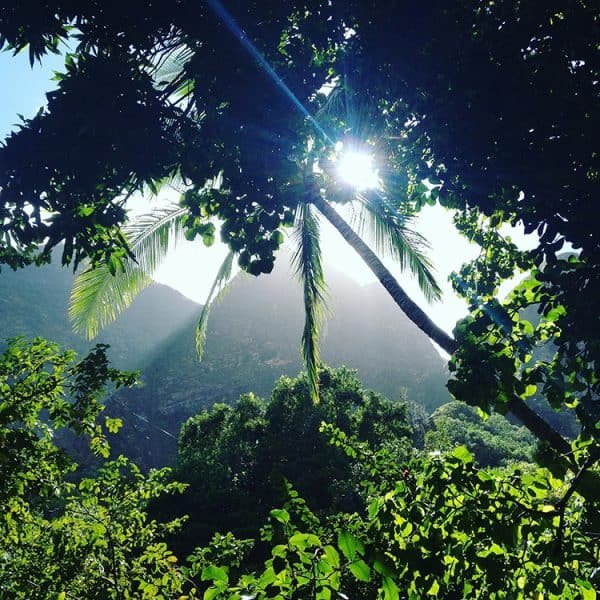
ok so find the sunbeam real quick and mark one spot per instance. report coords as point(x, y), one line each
point(231, 24)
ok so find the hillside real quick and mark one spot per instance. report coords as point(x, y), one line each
point(34, 302)
point(253, 339)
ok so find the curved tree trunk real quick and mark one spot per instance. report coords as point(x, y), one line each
point(530, 419)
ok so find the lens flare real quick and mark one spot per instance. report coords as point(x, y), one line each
point(357, 170)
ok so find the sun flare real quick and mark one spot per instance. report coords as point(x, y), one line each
point(357, 169)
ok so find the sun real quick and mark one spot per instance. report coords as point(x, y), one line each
point(357, 169)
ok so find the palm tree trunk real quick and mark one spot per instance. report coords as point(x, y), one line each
point(530, 419)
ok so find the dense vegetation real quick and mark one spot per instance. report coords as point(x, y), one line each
point(493, 441)
point(236, 459)
point(489, 109)
point(386, 517)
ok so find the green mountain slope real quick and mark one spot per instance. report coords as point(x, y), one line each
point(253, 338)
point(34, 302)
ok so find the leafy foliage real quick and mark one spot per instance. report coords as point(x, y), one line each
point(512, 75)
point(445, 529)
point(60, 538)
point(493, 442)
point(522, 83)
point(427, 526)
point(236, 458)
point(102, 292)
point(388, 225)
point(219, 286)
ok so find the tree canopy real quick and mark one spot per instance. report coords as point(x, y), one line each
point(487, 108)
point(236, 459)
point(426, 526)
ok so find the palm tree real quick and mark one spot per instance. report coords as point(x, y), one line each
point(528, 417)
point(99, 296)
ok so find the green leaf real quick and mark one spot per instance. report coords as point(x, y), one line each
point(434, 589)
point(381, 565)
point(374, 507)
point(102, 293)
point(281, 515)
point(526, 327)
point(113, 424)
point(268, 577)
point(323, 594)
point(361, 570)
point(390, 589)
point(213, 573)
point(304, 540)
point(349, 545)
point(463, 454)
point(332, 556)
point(391, 234)
point(556, 313)
point(86, 211)
point(308, 266)
point(586, 589)
point(211, 593)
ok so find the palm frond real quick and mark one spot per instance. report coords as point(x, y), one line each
point(169, 72)
point(177, 182)
point(219, 287)
point(389, 229)
point(335, 103)
point(173, 180)
point(153, 234)
point(308, 266)
point(98, 297)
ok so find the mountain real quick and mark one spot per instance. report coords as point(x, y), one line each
point(34, 302)
point(253, 338)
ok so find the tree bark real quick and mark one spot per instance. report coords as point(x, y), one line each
point(530, 419)
point(410, 308)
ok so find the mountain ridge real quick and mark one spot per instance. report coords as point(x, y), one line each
point(253, 338)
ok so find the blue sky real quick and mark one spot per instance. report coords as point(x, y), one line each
point(23, 87)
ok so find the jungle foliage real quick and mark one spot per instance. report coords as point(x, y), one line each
point(488, 108)
point(425, 526)
point(237, 458)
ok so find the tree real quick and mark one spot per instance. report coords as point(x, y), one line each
point(493, 442)
point(236, 459)
point(526, 91)
point(100, 294)
point(63, 535)
point(445, 529)
point(95, 538)
point(515, 76)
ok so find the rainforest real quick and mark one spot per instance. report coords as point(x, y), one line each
point(310, 426)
